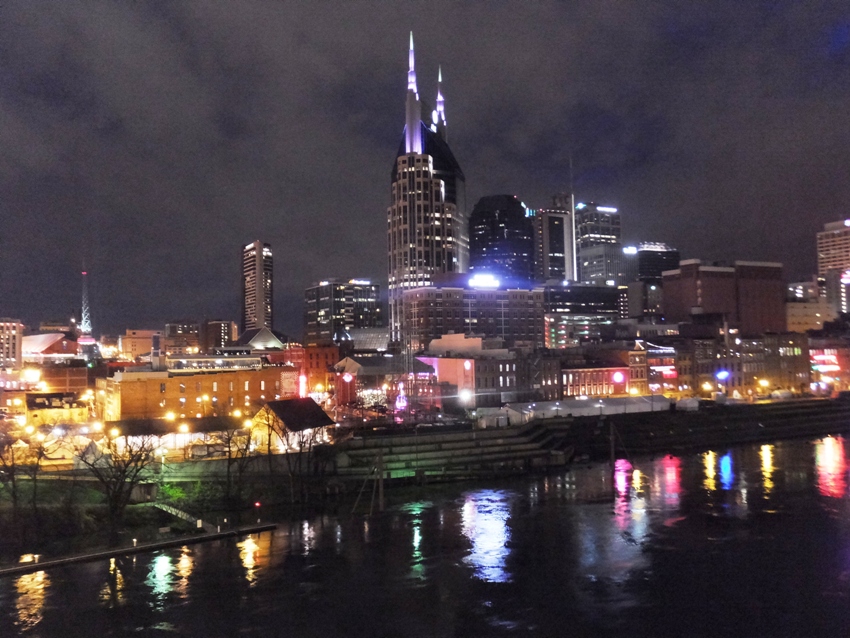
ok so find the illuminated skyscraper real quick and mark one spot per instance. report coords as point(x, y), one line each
point(598, 245)
point(427, 228)
point(257, 270)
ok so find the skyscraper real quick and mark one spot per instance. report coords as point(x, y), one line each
point(554, 241)
point(598, 245)
point(426, 221)
point(257, 270)
point(335, 307)
point(501, 238)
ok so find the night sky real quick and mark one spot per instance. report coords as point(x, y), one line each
point(151, 140)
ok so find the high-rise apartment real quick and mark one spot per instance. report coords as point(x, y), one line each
point(11, 342)
point(501, 238)
point(257, 270)
point(335, 307)
point(427, 227)
point(834, 247)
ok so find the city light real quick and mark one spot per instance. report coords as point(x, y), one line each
point(483, 280)
point(722, 375)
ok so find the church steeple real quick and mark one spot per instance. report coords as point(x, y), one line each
point(413, 108)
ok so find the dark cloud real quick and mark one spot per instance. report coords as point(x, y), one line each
point(152, 139)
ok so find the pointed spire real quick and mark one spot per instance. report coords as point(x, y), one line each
point(411, 68)
point(441, 103)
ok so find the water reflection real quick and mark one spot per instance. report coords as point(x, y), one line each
point(766, 454)
point(417, 560)
point(31, 590)
point(159, 580)
point(727, 476)
point(248, 554)
point(112, 592)
point(485, 523)
point(671, 473)
point(622, 468)
point(831, 466)
point(709, 461)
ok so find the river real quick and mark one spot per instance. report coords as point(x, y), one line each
point(750, 541)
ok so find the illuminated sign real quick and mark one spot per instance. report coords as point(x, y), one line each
point(606, 209)
point(360, 282)
point(630, 250)
point(483, 280)
point(668, 372)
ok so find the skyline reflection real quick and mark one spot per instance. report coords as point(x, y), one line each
point(485, 515)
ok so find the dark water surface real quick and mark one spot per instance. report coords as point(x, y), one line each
point(753, 541)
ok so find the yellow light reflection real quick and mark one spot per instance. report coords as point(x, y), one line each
point(766, 454)
point(30, 601)
point(249, 554)
point(710, 463)
point(112, 592)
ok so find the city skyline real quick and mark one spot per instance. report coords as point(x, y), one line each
point(151, 142)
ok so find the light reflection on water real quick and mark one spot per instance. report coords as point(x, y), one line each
point(248, 554)
point(766, 455)
point(576, 535)
point(831, 466)
point(485, 517)
point(31, 589)
point(112, 592)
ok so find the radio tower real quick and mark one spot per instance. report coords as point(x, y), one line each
point(85, 338)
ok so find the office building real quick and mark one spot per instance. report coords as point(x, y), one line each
point(653, 258)
point(554, 242)
point(501, 238)
point(257, 290)
point(608, 264)
point(747, 296)
point(513, 314)
point(427, 225)
point(181, 337)
point(597, 226)
point(575, 313)
point(217, 334)
point(335, 307)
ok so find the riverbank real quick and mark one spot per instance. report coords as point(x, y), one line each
point(36, 565)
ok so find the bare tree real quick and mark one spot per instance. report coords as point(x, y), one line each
point(41, 446)
point(11, 458)
point(237, 447)
point(119, 464)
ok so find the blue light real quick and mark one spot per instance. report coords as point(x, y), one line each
point(722, 375)
point(726, 476)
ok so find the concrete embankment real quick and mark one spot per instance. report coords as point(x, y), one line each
point(552, 443)
point(717, 426)
point(32, 566)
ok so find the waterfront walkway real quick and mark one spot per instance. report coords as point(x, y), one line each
point(33, 566)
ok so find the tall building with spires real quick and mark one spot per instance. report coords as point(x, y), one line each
point(427, 224)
